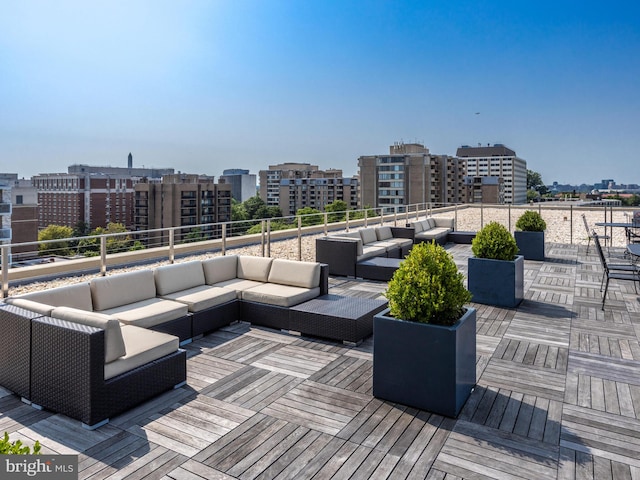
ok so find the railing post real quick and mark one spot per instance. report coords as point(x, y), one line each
point(172, 238)
point(224, 239)
point(268, 237)
point(103, 255)
point(509, 210)
point(395, 216)
point(299, 237)
point(347, 221)
point(455, 216)
point(326, 220)
point(5, 271)
point(481, 214)
point(366, 218)
point(571, 224)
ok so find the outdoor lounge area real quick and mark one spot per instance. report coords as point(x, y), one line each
point(557, 396)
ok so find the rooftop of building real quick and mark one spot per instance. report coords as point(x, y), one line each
point(557, 396)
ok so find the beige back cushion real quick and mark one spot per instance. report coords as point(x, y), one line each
point(444, 222)
point(113, 341)
point(417, 226)
point(177, 277)
point(254, 268)
point(384, 233)
point(431, 222)
point(220, 269)
point(122, 289)
point(76, 296)
point(296, 274)
point(368, 235)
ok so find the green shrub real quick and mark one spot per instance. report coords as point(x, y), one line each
point(427, 287)
point(494, 241)
point(16, 448)
point(531, 221)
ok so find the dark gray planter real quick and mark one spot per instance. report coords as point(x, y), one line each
point(530, 244)
point(496, 282)
point(430, 367)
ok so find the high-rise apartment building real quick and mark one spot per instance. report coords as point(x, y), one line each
point(498, 161)
point(409, 174)
point(292, 186)
point(181, 200)
point(243, 184)
point(18, 215)
point(484, 190)
point(93, 198)
point(95, 195)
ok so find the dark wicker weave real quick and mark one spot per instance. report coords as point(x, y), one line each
point(216, 317)
point(339, 254)
point(68, 373)
point(266, 315)
point(15, 349)
point(349, 319)
point(180, 327)
point(377, 268)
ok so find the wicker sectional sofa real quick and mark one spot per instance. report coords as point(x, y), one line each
point(342, 251)
point(98, 348)
point(433, 228)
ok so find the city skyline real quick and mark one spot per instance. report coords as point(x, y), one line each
point(204, 86)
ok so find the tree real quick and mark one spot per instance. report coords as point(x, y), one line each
point(55, 232)
point(338, 206)
point(310, 216)
point(252, 205)
point(534, 182)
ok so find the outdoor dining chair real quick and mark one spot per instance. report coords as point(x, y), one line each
point(627, 271)
point(591, 233)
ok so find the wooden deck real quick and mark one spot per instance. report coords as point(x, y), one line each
point(558, 397)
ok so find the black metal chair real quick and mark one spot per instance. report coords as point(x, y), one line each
point(591, 232)
point(625, 271)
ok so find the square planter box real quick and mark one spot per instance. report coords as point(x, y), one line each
point(496, 282)
point(531, 244)
point(430, 367)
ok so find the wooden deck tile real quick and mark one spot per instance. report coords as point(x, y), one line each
point(557, 396)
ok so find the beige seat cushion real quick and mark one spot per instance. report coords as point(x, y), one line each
point(177, 277)
point(238, 285)
point(202, 297)
point(220, 269)
point(444, 222)
point(296, 274)
point(114, 346)
point(75, 296)
point(149, 313)
point(143, 346)
point(254, 268)
point(368, 235)
point(41, 308)
point(417, 226)
point(370, 251)
point(384, 233)
point(122, 289)
point(280, 295)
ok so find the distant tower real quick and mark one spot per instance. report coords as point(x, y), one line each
point(130, 161)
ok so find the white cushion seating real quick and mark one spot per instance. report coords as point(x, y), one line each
point(75, 296)
point(432, 228)
point(131, 298)
point(114, 345)
point(143, 346)
point(148, 313)
point(185, 283)
point(289, 283)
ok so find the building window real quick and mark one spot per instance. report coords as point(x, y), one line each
point(19, 200)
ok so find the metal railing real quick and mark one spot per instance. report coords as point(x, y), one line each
point(96, 253)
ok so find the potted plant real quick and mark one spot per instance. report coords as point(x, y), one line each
point(424, 344)
point(529, 235)
point(495, 275)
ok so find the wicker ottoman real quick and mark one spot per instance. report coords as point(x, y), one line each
point(349, 319)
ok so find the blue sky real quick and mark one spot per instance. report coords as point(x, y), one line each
point(201, 86)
